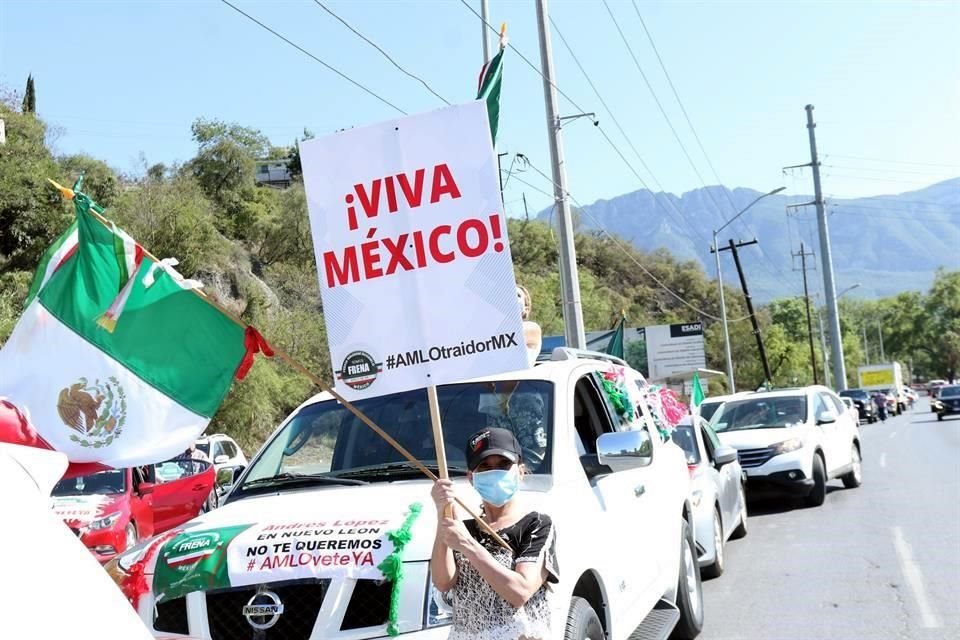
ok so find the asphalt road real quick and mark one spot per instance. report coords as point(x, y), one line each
point(878, 562)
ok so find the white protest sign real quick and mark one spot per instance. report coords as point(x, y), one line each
point(412, 255)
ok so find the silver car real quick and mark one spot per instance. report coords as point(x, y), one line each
point(716, 492)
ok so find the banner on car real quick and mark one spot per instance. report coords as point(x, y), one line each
point(413, 259)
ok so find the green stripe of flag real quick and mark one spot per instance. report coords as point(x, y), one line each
point(169, 337)
point(490, 84)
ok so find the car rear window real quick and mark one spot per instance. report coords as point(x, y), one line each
point(684, 437)
point(950, 392)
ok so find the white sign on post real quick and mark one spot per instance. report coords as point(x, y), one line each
point(412, 255)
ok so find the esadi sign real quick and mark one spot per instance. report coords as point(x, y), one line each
point(415, 270)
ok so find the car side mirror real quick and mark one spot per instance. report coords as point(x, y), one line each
point(827, 417)
point(221, 459)
point(146, 488)
point(724, 455)
point(623, 450)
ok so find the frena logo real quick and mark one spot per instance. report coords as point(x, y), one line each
point(97, 411)
point(359, 370)
point(191, 549)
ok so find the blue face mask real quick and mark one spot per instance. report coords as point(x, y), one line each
point(497, 486)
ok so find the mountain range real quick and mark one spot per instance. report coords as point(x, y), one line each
point(884, 244)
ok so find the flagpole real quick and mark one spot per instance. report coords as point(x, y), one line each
point(483, 31)
point(283, 355)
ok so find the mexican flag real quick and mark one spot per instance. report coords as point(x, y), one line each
point(117, 390)
point(491, 80)
point(697, 396)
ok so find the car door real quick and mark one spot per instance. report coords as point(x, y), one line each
point(830, 431)
point(180, 499)
point(727, 478)
point(625, 497)
point(847, 427)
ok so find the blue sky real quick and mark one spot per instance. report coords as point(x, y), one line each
point(126, 79)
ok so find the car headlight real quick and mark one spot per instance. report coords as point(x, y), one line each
point(787, 446)
point(437, 612)
point(105, 522)
point(696, 496)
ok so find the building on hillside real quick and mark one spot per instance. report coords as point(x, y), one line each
point(274, 173)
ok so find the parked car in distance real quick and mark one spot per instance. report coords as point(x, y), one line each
point(716, 492)
point(110, 511)
point(948, 401)
point(222, 450)
point(792, 441)
point(866, 409)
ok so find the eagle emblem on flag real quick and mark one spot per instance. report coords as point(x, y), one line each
point(97, 412)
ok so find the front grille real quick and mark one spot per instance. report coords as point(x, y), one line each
point(172, 616)
point(301, 603)
point(754, 457)
point(369, 605)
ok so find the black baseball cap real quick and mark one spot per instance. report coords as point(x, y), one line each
point(490, 442)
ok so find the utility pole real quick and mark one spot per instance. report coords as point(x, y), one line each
point(866, 347)
point(732, 248)
point(806, 296)
point(883, 358)
point(569, 279)
point(483, 31)
point(823, 346)
point(826, 256)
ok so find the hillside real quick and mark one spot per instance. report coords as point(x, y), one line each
point(888, 244)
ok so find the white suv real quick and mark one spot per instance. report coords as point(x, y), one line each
point(222, 450)
point(615, 489)
point(792, 441)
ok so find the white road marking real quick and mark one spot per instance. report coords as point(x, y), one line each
point(913, 576)
point(892, 434)
point(883, 460)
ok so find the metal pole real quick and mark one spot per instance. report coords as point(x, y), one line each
point(806, 297)
point(866, 346)
point(483, 31)
point(823, 347)
point(723, 315)
point(826, 255)
point(569, 280)
point(883, 358)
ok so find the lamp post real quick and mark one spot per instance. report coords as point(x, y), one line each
point(723, 304)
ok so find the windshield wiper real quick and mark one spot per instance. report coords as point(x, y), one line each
point(298, 478)
point(394, 467)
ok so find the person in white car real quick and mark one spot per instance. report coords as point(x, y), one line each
point(496, 594)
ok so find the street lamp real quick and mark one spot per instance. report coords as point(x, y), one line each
point(723, 304)
point(847, 290)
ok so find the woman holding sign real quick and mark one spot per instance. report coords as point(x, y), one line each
point(496, 594)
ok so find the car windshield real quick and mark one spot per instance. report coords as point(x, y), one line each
point(856, 394)
point(325, 440)
point(950, 392)
point(761, 413)
point(707, 409)
point(93, 484)
point(684, 437)
point(204, 447)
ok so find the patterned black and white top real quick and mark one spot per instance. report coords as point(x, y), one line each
point(478, 611)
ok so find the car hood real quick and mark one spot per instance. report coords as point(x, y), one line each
point(758, 438)
point(332, 505)
point(78, 511)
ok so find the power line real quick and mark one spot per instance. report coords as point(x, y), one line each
point(524, 58)
point(683, 109)
point(585, 211)
point(890, 199)
point(382, 52)
point(616, 122)
point(888, 170)
point(315, 58)
point(922, 164)
point(683, 147)
point(915, 181)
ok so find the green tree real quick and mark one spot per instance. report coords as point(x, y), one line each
point(29, 97)
point(99, 180)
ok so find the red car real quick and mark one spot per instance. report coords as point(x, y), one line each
point(111, 510)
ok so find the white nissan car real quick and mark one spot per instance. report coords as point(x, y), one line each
point(792, 441)
point(318, 494)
